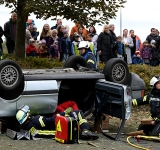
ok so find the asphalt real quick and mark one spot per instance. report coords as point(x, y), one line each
point(103, 143)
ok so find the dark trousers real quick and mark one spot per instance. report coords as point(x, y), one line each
point(79, 116)
point(32, 53)
point(153, 130)
point(10, 47)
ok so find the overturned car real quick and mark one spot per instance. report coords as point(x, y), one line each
point(109, 90)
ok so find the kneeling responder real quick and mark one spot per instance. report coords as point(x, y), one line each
point(87, 54)
point(154, 100)
point(40, 126)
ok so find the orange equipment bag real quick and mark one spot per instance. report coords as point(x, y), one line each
point(66, 130)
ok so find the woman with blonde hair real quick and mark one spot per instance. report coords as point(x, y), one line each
point(46, 33)
point(105, 45)
point(128, 44)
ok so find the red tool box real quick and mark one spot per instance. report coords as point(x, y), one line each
point(66, 130)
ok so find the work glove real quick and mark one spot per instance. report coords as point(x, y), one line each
point(68, 111)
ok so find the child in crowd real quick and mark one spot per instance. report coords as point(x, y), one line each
point(91, 44)
point(53, 37)
point(154, 52)
point(34, 33)
point(66, 46)
point(75, 44)
point(146, 53)
point(31, 48)
point(54, 50)
point(43, 49)
point(136, 59)
point(120, 48)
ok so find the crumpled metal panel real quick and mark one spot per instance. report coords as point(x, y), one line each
point(23, 134)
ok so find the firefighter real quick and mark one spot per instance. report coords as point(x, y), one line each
point(87, 54)
point(40, 126)
point(153, 99)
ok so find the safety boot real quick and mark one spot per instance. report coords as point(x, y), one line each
point(86, 134)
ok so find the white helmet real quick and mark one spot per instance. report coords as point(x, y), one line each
point(154, 80)
point(83, 44)
point(22, 114)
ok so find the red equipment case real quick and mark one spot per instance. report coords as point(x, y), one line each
point(66, 130)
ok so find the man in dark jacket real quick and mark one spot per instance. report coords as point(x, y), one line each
point(10, 32)
point(59, 22)
point(114, 38)
point(1, 41)
point(153, 37)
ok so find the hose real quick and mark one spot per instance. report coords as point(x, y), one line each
point(135, 145)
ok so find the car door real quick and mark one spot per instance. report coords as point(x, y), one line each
point(41, 96)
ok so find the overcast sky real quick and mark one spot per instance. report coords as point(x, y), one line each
point(140, 15)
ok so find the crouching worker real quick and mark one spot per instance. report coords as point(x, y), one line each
point(87, 54)
point(40, 126)
point(153, 99)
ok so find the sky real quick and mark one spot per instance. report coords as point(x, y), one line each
point(139, 15)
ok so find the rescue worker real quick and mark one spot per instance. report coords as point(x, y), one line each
point(87, 54)
point(153, 99)
point(40, 126)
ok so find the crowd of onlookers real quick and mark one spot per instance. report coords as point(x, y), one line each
point(57, 42)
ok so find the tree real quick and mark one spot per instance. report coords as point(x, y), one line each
point(86, 12)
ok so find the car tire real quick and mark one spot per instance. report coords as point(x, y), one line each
point(74, 60)
point(13, 94)
point(10, 75)
point(116, 70)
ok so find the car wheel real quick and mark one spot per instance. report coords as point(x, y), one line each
point(74, 61)
point(13, 94)
point(116, 70)
point(10, 75)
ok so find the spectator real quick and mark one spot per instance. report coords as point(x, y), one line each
point(146, 53)
point(10, 28)
point(154, 52)
point(1, 41)
point(75, 29)
point(66, 27)
point(136, 59)
point(81, 34)
point(35, 32)
point(75, 44)
point(128, 43)
point(43, 49)
point(92, 31)
point(46, 33)
point(59, 22)
point(53, 37)
point(105, 45)
point(66, 46)
point(90, 43)
point(30, 28)
point(157, 32)
point(31, 49)
point(120, 48)
point(137, 45)
point(114, 37)
point(27, 38)
point(54, 50)
point(60, 29)
point(153, 36)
